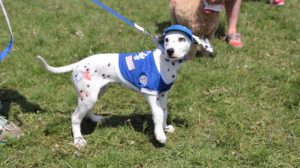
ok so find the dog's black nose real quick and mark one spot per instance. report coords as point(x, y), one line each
point(170, 51)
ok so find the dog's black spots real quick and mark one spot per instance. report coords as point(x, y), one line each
point(157, 99)
point(87, 69)
point(81, 99)
point(173, 63)
point(103, 75)
point(108, 76)
point(168, 69)
point(108, 64)
point(88, 86)
point(96, 71)
point(81, 91)
point(75, 76)
point(173, 76)
point(167, 60)
point(162, 95)
point(164, 109)
point(85, 66)
point(86, 95)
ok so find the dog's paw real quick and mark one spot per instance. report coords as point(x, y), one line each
point(79, 142)
point(161, 137)
point(169, 128)
point(96, 118)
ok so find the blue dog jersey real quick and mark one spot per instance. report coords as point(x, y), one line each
point(140, 72)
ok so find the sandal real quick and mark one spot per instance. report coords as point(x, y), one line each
point(235, 40)
point(8, 129)
point(277, 2)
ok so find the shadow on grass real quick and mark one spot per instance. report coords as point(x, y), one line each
point(9, 97)
point(138, 122)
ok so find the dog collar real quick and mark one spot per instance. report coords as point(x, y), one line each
point(176, 61)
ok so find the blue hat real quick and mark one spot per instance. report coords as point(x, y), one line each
point(181, 28)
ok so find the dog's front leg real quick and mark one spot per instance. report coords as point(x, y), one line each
point(158, 118)
point(163, 99)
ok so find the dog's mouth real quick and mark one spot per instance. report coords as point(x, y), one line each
point(171, 56)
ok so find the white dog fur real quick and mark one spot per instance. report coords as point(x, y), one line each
point(92, 75)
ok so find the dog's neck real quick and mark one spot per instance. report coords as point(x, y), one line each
point(166, 67)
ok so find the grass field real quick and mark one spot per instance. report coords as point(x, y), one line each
point(238, 109)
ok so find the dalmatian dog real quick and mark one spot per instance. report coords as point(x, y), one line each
point(151, 73)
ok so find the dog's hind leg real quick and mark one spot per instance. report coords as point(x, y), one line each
point(84, 106)
point(91, 115)
point(77, 117)
point(94, 117)
point(87, 97)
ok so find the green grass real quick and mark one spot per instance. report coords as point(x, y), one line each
point(238, 109)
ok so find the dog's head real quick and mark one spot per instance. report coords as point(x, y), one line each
point(177, 42)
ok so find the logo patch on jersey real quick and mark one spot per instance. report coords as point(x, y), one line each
point(141, 55)
point(143, 79)
point(130, 63)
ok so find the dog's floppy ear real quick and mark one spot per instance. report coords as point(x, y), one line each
point(161, 39)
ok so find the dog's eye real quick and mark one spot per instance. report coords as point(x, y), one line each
point(181, 39)
point(166, 40)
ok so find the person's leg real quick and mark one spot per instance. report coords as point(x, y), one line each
point(232, 8)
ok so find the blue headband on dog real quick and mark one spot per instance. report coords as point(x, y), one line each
point(181, 28)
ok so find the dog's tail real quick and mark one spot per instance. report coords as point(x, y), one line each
point(52, 69)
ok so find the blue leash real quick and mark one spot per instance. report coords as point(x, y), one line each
point(130, 23)
point(5, 52)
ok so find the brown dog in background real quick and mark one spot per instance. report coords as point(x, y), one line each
point(191, 13)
